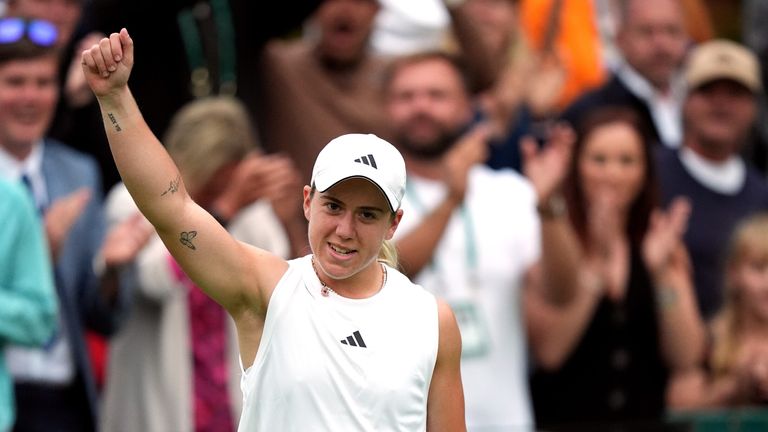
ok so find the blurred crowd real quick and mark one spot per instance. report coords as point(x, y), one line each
point(587, 188)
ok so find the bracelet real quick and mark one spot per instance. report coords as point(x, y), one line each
point(552, 208)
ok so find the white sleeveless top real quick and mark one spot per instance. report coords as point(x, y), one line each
point(338, 364)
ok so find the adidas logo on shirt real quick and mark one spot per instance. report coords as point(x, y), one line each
point(355, 339)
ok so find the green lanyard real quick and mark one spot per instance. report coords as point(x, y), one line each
point(200, 79)
point(470, 253)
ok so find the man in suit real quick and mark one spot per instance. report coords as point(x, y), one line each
point(54, 385)
point(652, 41)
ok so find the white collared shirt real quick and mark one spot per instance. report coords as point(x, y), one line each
point(726, 177)
point(666, 109)
point(32, 166)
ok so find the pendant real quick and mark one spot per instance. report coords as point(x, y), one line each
point(325, 291)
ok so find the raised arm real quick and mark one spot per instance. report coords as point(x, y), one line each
point(558, 297)
point(484, 66)
point(546, 169)
point(233, 274)
point(682, 331)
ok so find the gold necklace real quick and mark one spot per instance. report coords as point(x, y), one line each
point(326, 290)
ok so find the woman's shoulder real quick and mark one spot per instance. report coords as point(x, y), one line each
point(401, 283)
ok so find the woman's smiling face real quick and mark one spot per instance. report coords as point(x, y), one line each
point(613, 163)
point(347, 226)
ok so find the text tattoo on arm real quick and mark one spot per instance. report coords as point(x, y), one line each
point(114, 122)
point(173, 186)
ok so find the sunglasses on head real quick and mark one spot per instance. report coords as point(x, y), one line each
point(40, 32)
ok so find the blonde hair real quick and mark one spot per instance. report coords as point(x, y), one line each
point(749, 240)
point(388, 254)
point(206, 134)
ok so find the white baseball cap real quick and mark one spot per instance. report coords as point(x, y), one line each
point(361, 156)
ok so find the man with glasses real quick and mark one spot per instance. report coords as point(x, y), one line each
point(77, 121)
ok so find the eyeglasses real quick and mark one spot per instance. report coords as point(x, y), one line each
point(41, 32)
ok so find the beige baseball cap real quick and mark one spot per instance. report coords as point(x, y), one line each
point(362, 156)
point(722, 59)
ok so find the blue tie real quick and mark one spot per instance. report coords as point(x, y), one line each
point(28, 183)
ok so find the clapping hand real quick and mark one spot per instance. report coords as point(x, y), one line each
point(273, 177)
point(471, 149)
point(547, 167)
point(61, 215)
point(664, 236)
point(126, 240)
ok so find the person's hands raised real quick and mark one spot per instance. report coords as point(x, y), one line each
point(547, 167)
point(125, 240)
point(664, 236)
point(470, 149)
point(269, 176)
point(61, 215)
point(107, 65)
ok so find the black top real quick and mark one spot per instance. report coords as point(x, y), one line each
point(615, 378)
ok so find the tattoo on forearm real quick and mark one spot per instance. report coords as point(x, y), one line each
point(114, 121)
point(173, 187)
point(186, 239)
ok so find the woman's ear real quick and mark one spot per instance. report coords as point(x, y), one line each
point(307, 201)
point(395, 222)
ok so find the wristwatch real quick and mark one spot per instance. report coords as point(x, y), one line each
point(553, 207)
